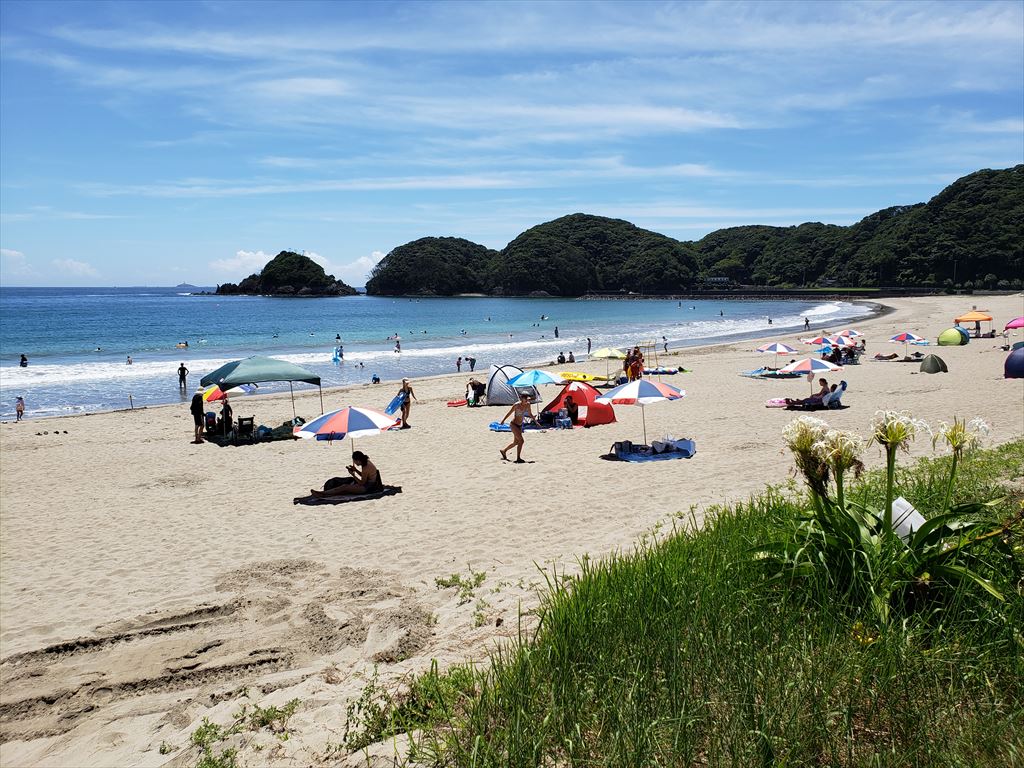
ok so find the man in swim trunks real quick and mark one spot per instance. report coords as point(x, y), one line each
point(196, 407)
point(182, 374)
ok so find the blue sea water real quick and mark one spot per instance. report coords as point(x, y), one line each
point(77, 339)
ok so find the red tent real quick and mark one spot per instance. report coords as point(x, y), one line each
point(585, 396)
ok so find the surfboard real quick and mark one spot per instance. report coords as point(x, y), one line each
point(577, 376)
point(395, 404)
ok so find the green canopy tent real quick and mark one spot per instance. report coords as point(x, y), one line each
point(257, 369)
point(934, 364)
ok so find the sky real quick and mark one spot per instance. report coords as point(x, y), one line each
point(151, 143)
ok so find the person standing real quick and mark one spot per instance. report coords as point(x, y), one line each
point(182, 375)
point(458, 365)
point(407, 402)
point(556, 331)
point(19, 408)
point(519, 412)
point(128, 361)
point(23, 362)
point(196, 407)
point(664, 344)
point(588, 345)
point(807, 324)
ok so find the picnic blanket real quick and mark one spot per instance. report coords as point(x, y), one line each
point(497, 426)
point(389, 490)
point(657, 451)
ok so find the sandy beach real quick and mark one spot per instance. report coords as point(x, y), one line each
point(148, 582)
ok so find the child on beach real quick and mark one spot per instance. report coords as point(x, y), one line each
point(19, 408)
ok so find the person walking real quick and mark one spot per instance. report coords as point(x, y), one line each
point(182, 376)
point(807, 324)
point(407, 402)
point(588, 345)
point(23, 362)
point(519, 412)
point(196, 407)
point(556, 331)
point(19, 408)
point(664, 344)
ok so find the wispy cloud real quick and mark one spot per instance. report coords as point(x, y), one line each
point(243, 261)
point(75, 267)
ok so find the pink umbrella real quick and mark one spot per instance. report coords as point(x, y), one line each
point(811, 366)
point(1017, 322)
point(816, 341)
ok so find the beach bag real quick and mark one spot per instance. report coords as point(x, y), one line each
point(623, 446)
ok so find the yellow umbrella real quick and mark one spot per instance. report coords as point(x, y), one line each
point(607, 353)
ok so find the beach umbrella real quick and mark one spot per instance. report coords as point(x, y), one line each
point(816, 341)
point(840, 341)
point(349, 421)
point(534, 378)
point(850, 333)
point(214, 393)
point(1017, 322)
point(906, 338)
point(811, 366)
point(776, 348)
point(641, 392)
point(607, 353)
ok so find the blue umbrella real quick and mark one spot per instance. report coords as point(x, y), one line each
point(534, 378)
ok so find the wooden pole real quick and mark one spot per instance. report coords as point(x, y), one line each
point(292, 392)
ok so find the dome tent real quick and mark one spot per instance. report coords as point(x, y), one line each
point(933, 364)
point(1013, 368)
point(585, 396)
point(500, 392)
point(953, 337)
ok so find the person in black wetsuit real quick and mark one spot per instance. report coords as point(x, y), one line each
point(196, 407)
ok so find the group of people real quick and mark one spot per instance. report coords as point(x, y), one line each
point(844, 355)
point(562, 359)
point(819, 399)
point(633, 365)
point(470, 361)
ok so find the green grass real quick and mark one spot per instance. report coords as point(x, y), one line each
point(681, 654)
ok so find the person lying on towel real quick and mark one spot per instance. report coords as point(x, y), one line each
point(364, 479)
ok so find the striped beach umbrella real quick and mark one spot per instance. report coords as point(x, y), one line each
point(840, 341)
point(850, 333)
point(213, 393)
point(817, 341)
point(776, 348)
point(346, 422)
point(811, 366)
point(906, 338)
point(641, 392)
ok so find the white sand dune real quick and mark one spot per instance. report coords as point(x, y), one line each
point(147, 582)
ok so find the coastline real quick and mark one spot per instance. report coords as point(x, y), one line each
point(120, 528)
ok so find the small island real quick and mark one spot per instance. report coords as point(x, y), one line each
point(289, 274)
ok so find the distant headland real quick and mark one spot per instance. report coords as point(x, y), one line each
point(969, 236)
point(288, 274)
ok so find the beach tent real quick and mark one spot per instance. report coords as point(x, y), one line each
point(933, 364)
point(500, 392)
point(257, 370)
point(1013, 368)
point(585, 396)
point(974, 316)
point(953, 337)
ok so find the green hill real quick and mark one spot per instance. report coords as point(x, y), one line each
point(289, 274)
point(971, 234)
point(438, 266)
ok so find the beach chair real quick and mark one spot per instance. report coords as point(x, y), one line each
point(245, 428)
point(835, 401)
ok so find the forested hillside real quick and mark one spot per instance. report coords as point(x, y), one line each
point(970, 235)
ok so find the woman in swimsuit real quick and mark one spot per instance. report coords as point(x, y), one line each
point(364, 479)
point(519, 412)
point(407, 402)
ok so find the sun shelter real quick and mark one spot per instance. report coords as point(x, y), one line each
point(500, 392)
point(591, 413)
point(1013, 368)
point(257, 370)
point(974, 316)
point(954, 337)
point(933, 364)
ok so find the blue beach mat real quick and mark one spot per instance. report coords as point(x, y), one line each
point(497, 426)
point(674, 449)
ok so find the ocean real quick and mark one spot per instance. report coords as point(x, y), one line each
point(77, 340)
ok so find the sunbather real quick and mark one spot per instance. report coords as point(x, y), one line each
point(816, 399)
point(364, 479)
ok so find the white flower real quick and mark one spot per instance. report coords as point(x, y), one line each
point(896, 429)
point(840, 448)
point(961, 436)
point(803, 432)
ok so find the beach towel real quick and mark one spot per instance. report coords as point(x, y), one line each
point(775, 402)
point(658, 451)
point(312, 501)
point(497, 426)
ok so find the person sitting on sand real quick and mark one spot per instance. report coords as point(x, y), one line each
point(561, 358)
point(818, 398)
point(572, 357)
point(571, 409)
point(364, 478)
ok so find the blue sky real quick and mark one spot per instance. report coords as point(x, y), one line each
point(153, 143)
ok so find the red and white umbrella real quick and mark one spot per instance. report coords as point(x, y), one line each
point(817, 341)
point(841, 341)
point(850, 332)
point(641, 392)
point(346, 422)
point(811, 366)
point(906, 338)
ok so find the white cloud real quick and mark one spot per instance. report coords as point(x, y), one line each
point(353, 272)
point(245, 262)
point(15, 264)
point(300, 88)
point(76, 268)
